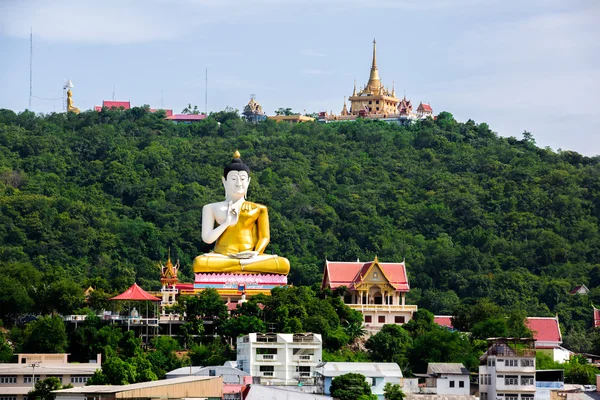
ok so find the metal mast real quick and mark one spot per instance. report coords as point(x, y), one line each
point(30, 67)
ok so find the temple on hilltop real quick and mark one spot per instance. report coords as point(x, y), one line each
point(376, 289)
point(253, 111)
point(376, 101)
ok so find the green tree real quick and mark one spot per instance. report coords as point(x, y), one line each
point(45, 335)
point(349, 386)
point(43, 388)
point(391, 344)
point(393, 391)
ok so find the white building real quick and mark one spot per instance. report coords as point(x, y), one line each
point(376, 374)
point(548, 339)
point(280, 358)
point(18, 379)
point(507, 370)
point(447, 379)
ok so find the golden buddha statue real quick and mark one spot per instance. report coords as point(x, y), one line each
point(242, 233)
point(70, 106)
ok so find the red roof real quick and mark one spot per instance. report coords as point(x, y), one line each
point(186, 117)
point(135, 293)
point(168, 113)
point(544, 329)
point(339, 273)
point(424, 107)
point(116, 104)
point(443, 320)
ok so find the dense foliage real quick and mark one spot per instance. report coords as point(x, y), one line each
point(484, 222)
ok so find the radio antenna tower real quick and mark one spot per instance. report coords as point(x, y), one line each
point(206, 92)
point(30, 67)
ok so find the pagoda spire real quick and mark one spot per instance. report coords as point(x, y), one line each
point(354, 93)
point(374, 84)
point(393, 89)
point(374, 54)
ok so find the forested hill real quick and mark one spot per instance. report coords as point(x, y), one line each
point(98, 198)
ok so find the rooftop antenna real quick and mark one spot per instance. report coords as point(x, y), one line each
point(30, 67)
point(206, 92)
point(162, 108)
point(113, 91)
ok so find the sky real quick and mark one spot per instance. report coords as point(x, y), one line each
point(516, 65)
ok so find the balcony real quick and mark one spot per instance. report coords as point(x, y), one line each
point(303, 358)
point(266, 357)
point(389, 308)
point(503, 387)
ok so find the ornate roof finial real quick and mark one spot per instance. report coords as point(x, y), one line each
point(376, 260)
point(393, 89)
point(374, 53)
point(169, 255)
point(236, 154)
point(354, 93)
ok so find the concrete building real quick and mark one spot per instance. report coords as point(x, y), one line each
point(376, 289)
point(447, 379)
point(18, 379)
point(507, 370)
point(376, 374)
point(280, 358)
point(196, 387)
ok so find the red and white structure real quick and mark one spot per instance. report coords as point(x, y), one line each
point(376, 289)
point(547, 336)
point(596, 317)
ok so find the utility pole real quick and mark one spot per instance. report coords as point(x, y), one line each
point(206, 92)
point(30, 67)
point(33, 365)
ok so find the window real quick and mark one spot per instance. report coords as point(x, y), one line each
point(232, 396)
point(527, 380)
point(266, 370)
point(348, 299)
point(304, 372)
point(399, 319)
point(370, 102)
point(80, 379)
point(27, 379)
point(512, 397)
point(212, 372)
point(381, 319)
point(461, 384)
point(527, 397)
point(485, 379)
point(377, 102)
point(483, 396)
point(511, 380)
point(372, 381)
point(511, 363)
point(5, 379)
point(491, 362)
point(527, 363)
point(451, 384)
point(368, 319)
point(8, 397)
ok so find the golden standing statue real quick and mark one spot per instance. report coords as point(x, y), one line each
point(242, 231)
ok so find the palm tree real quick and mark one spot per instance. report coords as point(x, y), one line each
point(355, 330)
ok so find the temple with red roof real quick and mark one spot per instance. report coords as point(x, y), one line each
point(548, 338)
point(376, 289)
point(126, 105)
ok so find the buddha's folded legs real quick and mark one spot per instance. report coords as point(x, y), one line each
point(217, 263)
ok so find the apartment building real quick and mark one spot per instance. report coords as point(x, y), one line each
point(507, 370)
point(280, 358)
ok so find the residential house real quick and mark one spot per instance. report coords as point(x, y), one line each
point(376, 374)
point(447, 379)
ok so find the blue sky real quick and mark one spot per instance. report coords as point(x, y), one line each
point(517, 65)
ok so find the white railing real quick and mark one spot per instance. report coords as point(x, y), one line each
point(383, 307)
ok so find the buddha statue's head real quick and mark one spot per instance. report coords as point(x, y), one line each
point(236, 178)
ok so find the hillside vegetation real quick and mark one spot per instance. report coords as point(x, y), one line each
point(98, 198)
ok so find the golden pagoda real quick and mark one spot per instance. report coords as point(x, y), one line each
point(373, 98)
